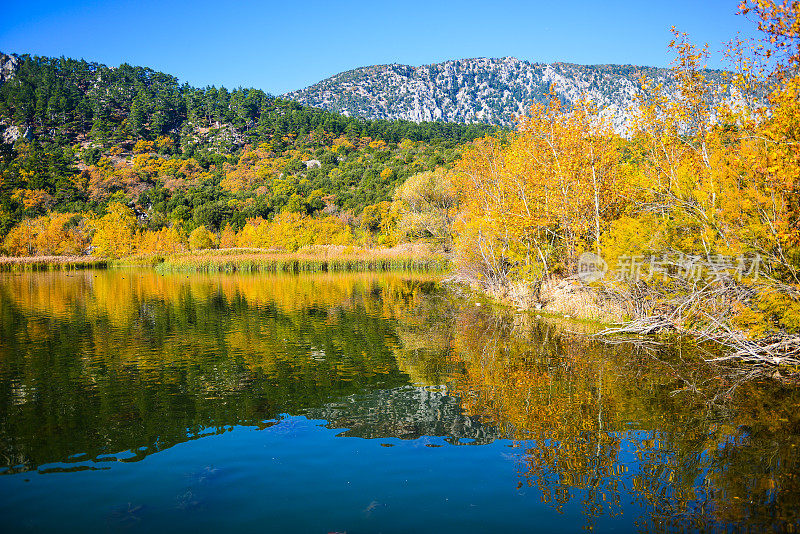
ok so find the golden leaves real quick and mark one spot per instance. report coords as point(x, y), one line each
point(52, 234)
point(554, 184)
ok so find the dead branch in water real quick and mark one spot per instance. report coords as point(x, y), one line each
point(641, 326)
point(774, 350)
point(705, 310)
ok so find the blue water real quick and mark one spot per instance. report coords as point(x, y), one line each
point(136, 402)
point(295, 476)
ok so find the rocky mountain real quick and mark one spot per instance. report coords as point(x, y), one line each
point(8, 65)
point(485, 90)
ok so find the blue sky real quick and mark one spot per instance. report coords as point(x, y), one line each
point(281, 46)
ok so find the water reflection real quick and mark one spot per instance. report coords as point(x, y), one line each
point(97, 363)
point(606, 425)
point(406, 413)
point(104, 367)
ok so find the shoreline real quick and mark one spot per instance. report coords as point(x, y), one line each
point(315, 259)
point(559, 299)
point(51, 263)
point(615, 315)
point(311, 259)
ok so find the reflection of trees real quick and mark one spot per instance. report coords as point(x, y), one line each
point(550, 391)
point(607, 424)
point(97, 363)
point(425, 335)
point(93, 363)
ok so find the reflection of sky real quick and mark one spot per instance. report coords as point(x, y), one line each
point(296, 476)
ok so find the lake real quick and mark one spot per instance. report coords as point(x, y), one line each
point(139, 402)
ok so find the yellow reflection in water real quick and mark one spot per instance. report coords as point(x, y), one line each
point(692, 444)
point(597, 424)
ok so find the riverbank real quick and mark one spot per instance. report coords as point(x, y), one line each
point(51, 263)
point(750, 321)
point(320, 258)
point(559, 297)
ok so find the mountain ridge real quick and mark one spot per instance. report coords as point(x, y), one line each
point(481, 90)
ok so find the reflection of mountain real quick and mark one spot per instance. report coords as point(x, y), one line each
point(407, 413)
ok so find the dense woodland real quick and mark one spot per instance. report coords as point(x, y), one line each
point(81, 136)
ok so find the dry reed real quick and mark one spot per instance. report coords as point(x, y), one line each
point(320, 258)
point(50, 263)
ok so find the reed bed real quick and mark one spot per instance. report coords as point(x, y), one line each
point(311, 259)
point(51, 263)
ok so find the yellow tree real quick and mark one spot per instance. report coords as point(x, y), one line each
point(201, 237)
point(774, 63)
point(531, 204)
point(227, 237)
point(482, 229)
point(676, 140)
point(165, 241)
point(427, 203)
point(719, 175)
point(570, 159)
point(52, 234)
point(115, 232)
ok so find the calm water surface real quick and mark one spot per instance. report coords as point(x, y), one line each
point(136, 402)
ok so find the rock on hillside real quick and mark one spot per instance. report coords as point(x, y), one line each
point(8, 66)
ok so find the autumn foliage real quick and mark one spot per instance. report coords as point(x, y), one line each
point(53, 234)
point(708, 171)
point(530, 205)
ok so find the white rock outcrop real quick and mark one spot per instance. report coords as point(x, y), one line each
point(487, 90)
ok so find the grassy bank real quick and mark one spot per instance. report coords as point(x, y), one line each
point(311, 259)
point(327, 258)
point(51, 263)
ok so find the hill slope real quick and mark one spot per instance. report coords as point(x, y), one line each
point(77, 135)
point(482, 90)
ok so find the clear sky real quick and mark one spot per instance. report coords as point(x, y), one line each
point(286, 45)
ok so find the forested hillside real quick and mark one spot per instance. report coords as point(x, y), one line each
point(77, 136)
